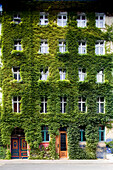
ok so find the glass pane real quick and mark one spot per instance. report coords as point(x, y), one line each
point(47, 136)
point(63, 142)
point(42, 136)
point(59, 17)
point(79, 106)
point(41, 110)
point(14, 98)
point(19, 98)
point(15, 76)
point(15, 69)
point(64, 107)
point(102, 107)
point(102, 136)
point(15, 107)
point(102, 99)
point(84, 107)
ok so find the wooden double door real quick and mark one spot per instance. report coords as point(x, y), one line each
point(18, 148)
point(63, 144)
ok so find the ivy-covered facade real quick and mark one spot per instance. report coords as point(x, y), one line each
point(56, 79)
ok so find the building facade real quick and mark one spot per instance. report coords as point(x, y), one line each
point(56, 79)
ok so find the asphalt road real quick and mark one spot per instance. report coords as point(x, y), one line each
point(56, 165)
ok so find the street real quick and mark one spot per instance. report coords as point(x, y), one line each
point(55, 165)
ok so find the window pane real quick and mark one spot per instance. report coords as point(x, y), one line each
point(83, 107)
point(79, 106)
point(45, 107)
point(15, 76)
point(15, 107)
point(41, 108)
point(14, 98)
point(47, 136)
point(102, 107)
point(42, 136)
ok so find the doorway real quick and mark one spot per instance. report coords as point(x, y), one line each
point(18, 144)
point(63, 143)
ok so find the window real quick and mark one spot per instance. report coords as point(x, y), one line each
point(44, 47)
point(62, 46)
point(82, 134)
point(17, 45)
point(100, 20)
point(100, 105)
point(100, 48)
point(81, 20)
point(16, 73)
point(82, 47)
point(44, 74)
point(82, 104)
point(62, 74)
point(43, 18)
point(82, 74)
point(63, 104)
point(100, 76)
point(101, 133)
point(45, 134)
point(16, 104)
point(43, 105)
point(62, 19)
point(16, 18)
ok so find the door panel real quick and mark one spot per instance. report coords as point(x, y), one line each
point(63, 144)
point(23, 145)
point(18, 148)
point(15, 148)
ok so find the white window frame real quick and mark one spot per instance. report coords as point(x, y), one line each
point(44, 102)
point(100, 76)
point(17, 73)
point(44, 20)
point(62, 22)
point(62, 73)
point(44, 48)
point(82, 47)
point(100, 21)
point(63, 102)
point(18, 45)
point(81, 22)
point(44, 74)
point(99, 102)
point(81, 102)
point(100, 47)
point(82, 75)
point(17, 102)
point(17, 18)
point(62, 46)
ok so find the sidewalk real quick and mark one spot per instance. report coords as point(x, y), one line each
point(26, 161)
